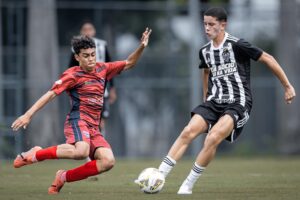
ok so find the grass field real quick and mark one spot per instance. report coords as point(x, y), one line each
point(226, 178)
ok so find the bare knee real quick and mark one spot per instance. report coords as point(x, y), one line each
point(107, 163)
point(212, 140)
point(187, 134)
point(80, 154)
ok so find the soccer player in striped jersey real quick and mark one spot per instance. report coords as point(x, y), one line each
point(85, 85)
point(225, 62)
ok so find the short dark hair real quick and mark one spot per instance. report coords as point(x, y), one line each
point(82, 42)
point(217, 12)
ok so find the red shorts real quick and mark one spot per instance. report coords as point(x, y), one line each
point(79, 130)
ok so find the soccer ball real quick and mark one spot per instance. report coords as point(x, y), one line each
point(150, 180)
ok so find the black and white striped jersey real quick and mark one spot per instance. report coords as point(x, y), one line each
point(101, 50)
point(229, 64)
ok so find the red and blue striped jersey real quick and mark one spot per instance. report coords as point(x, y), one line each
point(86, 89)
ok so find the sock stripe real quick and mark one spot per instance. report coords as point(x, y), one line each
point(197, 169)
point(168, 161)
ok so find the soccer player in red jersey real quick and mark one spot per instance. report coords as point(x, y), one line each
point(85, 86)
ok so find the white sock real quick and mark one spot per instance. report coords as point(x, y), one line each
point(193, 176)
point(87, 159)
point(167, 165)
point(34, 158)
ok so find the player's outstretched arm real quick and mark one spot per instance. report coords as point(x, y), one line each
point(278, 71)
point(133, 58)
point(25, 119)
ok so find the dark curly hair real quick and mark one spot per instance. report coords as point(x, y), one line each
point(82, 42)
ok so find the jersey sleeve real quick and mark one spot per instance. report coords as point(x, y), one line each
point(114, 68)
point(202, 63)
point(66, 81)
point(250, 50)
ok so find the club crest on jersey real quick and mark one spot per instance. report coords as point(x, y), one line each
point(226, 55)
point(86, 134)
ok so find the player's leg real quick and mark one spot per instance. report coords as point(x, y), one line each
point(102, 153)
point(26, 158)
point(76, 147)
point(104, 161)
point(216, 135)
point(102, 130)
point(77, 151)
point(80, 150)
point(79, 173)
point(196, 126)
point(222, 129)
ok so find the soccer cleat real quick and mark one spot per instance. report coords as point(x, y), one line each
point(57, 184)
point(184, 189)
point(26, 158)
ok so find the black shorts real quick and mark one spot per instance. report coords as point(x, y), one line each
point(212, 112)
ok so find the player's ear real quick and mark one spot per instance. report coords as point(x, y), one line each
point(223, 25)
point(77, 57)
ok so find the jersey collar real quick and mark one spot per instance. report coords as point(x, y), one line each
point(221, 45)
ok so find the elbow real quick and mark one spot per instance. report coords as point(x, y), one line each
point(52, 94)
point(129, 64)
point(271, 58)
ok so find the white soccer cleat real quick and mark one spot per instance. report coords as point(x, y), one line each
point(184, 189)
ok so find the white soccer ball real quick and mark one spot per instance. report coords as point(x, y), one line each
point(150, 180)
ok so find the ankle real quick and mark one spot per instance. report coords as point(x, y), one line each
point(63, 177)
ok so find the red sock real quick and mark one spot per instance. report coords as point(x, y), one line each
point(48, 153)
point(82, 172)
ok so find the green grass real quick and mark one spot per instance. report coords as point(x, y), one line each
point(226, 178)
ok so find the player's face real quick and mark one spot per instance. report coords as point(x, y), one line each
point(213, 27)
point(87, 59)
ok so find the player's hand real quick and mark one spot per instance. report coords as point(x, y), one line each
point(289, 94)
point(21, 122)
point(145, 37)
